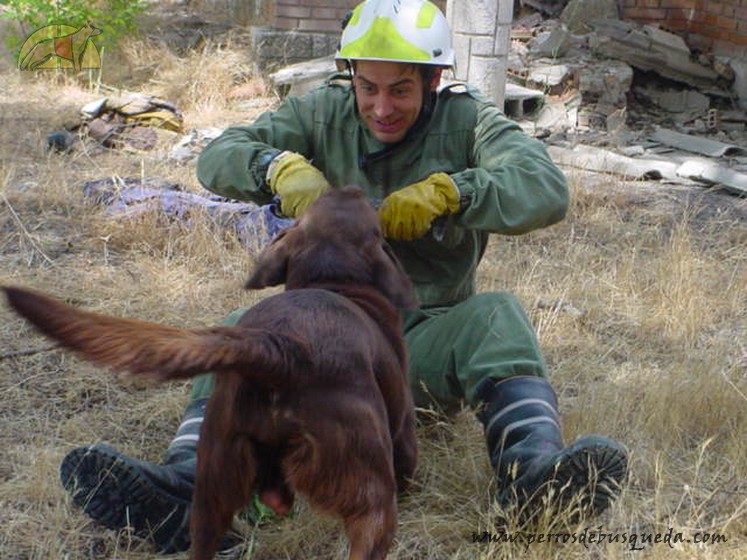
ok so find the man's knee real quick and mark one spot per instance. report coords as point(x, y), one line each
point(495, 301)
point(234, 317)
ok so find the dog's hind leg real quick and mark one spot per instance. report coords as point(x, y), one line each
point(226, 474)
point(371, 534)
point(405, 452)
point(344, 466)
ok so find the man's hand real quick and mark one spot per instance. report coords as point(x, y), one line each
point(409, 212)
point(296, 182)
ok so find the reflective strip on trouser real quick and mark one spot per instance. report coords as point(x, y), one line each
point(453, 349)
point(188, 433)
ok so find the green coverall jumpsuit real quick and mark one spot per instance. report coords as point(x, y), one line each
point(508, 185)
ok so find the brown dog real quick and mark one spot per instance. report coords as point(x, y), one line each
point(310, 391)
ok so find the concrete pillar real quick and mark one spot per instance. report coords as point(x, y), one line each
point(482, 39)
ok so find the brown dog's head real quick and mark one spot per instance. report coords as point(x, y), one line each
point(338, 239)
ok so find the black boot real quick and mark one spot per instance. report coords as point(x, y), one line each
point(155, 500)
point(522, 427)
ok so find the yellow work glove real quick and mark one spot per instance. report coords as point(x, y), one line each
point(409, 212)
point(296, 182)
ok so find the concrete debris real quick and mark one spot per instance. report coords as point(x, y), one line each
point(712, 174)
point(190, 145)
point(299, 78)
point(689, 102)
point(651, 49)
point(548, 77)
point(553, 44)
point(627, 99)
point(94, 108)
point(578, 14)
point(590, 158)
point(548, 7)
point(604, 87)
point(521, 100)
point(557, 116)
point(734, 116)
point(700, 170)
point(694, 144)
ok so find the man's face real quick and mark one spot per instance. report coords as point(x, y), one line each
point(389, 97)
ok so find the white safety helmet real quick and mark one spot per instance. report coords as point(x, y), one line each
point(413, 31)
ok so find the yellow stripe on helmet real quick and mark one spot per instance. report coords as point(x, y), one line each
point(382, 40)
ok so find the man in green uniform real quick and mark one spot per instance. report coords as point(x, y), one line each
point(446, 169)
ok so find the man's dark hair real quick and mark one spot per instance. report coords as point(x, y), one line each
point(426, 71)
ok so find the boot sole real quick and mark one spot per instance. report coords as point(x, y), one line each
point(585, 481)
point(594, 474)
point(116, 494)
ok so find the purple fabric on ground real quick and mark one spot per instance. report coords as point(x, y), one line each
point(130, 197)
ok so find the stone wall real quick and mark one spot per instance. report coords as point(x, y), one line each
point(311, 15)
point(299, 30)
point(274, 48)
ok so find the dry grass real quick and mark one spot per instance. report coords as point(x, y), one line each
point(639, 298)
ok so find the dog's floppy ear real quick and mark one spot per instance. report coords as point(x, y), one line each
point(271, 267)
point(392, 279)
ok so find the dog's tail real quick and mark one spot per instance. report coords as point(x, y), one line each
point(159, 351)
